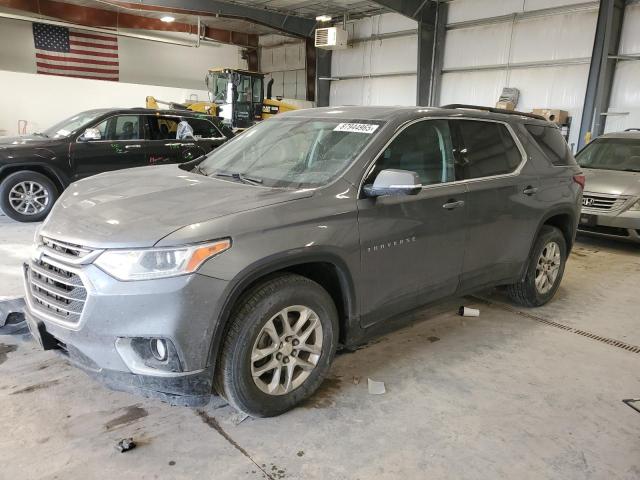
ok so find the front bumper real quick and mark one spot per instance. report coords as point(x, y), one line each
point(181, 310)
point(620, 225)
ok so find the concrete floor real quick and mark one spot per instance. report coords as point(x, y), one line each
point(507, 395)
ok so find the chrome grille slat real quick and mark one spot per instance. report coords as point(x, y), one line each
point(64, 249)
point(50, 302)
point(601, 201)
point(73, 281)
point(59, 292)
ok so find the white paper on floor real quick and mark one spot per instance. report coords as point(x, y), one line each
point(376, 388)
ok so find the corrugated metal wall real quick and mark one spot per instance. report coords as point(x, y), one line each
point(625, 95)
point(541, 47)
point(283, 59)
point(377, 70)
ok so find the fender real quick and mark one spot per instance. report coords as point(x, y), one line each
point(275, 263)
point(58, 177)
point(560, 210)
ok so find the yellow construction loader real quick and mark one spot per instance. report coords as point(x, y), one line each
point(236, 97)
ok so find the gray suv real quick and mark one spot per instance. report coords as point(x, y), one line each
point(243, 274)
point(611, 202)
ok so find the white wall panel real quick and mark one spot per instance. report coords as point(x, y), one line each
point(470, 47)
point(399, 90)
point(630, 38)
point(463, 10)
point(473, 88)
point(43, 100)
point(284, 60)
point(554, 37)
point(625, 97)
point(386, 23)
point(378, 56)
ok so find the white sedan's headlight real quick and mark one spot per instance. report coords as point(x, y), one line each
point(145, 264)
point(635, 206)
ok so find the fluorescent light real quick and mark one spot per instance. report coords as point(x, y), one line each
point(167, 19)
point(323, 18)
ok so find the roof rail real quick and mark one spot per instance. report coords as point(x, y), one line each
point(635, 129)
point(493, 110)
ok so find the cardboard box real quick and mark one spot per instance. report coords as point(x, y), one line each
point(558, 117)
point(505, 105)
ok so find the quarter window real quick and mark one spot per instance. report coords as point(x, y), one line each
point(552, 144)
point(484, 149)
point(424, 148)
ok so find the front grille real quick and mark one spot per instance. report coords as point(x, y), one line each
point(602, 202)
point(57, 291)
point(64, 249)
point(617, 231)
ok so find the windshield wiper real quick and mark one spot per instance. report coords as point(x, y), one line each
point(40, 134)
point(632, 170)
point(240, 176)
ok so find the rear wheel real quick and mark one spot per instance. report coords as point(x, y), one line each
point(279, 346)
point(544, 271)
point(27, 196)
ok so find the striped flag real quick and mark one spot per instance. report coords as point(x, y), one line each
point(75, 53)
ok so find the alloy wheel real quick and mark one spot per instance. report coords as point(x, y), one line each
point(548, 267)
point(286, 350)
point(29, 198)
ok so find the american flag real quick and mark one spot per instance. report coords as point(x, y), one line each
point(75, 53)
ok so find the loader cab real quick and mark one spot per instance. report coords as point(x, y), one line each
point(238, 95)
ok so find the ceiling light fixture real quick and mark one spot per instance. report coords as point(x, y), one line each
point(323, 18)
point(167, 19)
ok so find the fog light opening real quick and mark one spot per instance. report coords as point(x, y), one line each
point(159, 349)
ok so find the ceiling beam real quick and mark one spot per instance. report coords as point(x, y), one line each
point(414, 9)
point(96, 17)
point(290, 24)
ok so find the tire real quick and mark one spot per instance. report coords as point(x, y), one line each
point(526, 292)
point(248, 332)
point(40, 191)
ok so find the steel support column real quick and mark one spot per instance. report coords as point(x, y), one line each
point(601, 69)
point(323, 75)
point(431, 18)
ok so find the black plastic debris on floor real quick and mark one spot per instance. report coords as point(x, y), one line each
point(125, 445)
point(633, 403)
point(12, 320)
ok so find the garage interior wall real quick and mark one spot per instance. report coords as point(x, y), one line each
point(542, 47)
point(376, 70)
point(168, 72)
point(624, 105)
point(284, 59)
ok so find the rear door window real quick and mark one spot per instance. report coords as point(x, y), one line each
point(162, 128)
point(551, 142)
point(484, 149)
point(203, 128)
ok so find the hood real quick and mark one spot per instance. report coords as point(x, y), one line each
point(612, 182)
point(140, 206)
point(26, 141)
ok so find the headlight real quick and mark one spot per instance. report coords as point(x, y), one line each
point(145, 264)
point(635, 206)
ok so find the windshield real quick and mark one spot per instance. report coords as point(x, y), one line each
point(68, 126)
point(622, 154)
point(217, 83)
point(292, 153)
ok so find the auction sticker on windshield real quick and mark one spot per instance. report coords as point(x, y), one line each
point(356, 128)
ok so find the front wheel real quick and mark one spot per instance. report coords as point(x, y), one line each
point(279, 346)
point(27, 196)
point(544, 271)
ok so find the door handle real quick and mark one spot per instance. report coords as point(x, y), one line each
point(530, 190)
point(131, 146)
point(451, 204)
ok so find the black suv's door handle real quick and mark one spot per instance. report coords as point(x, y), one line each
point(530, 190)
point(451, 204)
point(132, 146)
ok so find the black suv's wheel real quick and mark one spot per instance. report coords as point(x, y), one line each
point(279, 346)
point(27, 196)
point(544, 271)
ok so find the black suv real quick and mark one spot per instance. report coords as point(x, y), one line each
point(314, 228)
point(35, 169)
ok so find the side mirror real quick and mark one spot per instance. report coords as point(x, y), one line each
point(394, 182)
point(91, 134)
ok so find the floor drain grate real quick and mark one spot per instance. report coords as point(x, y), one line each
point(609, 341)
